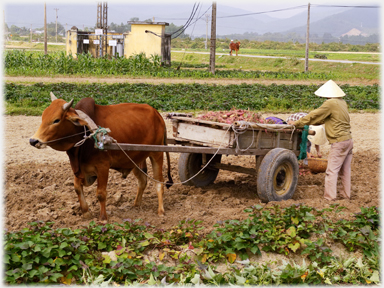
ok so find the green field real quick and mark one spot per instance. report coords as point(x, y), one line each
point(291, 67)
point(331, 55)
point(33, 99)
point(40, 254)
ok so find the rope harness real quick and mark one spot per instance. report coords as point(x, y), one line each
point(66, 137)
point(99, 136)
point(178, 183)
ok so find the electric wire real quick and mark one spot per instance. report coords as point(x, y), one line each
point(186, 25)
point(195, 20)
point(182, 59)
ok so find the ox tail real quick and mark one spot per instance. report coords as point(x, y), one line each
point(170, 181)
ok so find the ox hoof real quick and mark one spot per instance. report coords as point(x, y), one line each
point(87, 215)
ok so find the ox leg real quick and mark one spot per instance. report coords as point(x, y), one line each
point(157, 164)
point(78, 183)
point(141, 182)
point(101, 192)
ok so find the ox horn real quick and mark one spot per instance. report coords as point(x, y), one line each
point(53, 97)
point(66, 106)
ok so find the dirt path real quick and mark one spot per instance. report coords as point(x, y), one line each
point(39, 184)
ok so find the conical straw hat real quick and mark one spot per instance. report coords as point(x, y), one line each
point(319, 138)
point(329, 90)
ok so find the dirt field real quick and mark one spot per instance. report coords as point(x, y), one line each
point(39, 184)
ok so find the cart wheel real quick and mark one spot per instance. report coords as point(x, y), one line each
point(191, 163)
point(277, 176)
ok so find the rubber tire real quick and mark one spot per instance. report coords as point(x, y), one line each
point(191, 163)
point(277, 175)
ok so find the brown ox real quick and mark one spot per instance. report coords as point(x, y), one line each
point(234, 47)
point(61, 129)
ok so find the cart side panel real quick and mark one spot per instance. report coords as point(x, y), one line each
point(266, 140)
point(204, 134)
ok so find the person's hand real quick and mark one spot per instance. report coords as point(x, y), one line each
point(291, 122)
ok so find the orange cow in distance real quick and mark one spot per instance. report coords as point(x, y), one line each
point(234, 47)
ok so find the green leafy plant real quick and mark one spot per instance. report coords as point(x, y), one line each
point(176, 97)
point(122, 253)
point(318, 251)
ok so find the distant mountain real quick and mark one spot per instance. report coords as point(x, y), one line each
point(363, 19)
point(316, 14)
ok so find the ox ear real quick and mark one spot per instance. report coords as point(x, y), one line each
point(75, 119)
point(90, 124)
point(68, 105)
point(53, 97)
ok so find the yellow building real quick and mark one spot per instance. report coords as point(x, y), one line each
point(147, 38)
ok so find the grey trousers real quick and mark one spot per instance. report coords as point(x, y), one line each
point(339, 164)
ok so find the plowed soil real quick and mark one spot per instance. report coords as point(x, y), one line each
point(39, 184)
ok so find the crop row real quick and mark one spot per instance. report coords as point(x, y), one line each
point(37, 64)
point(118, 252)
point(181, 97)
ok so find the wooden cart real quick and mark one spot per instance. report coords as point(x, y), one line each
point(202, 144)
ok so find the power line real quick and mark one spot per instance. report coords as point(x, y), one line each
point(196, 20)
point(345, 6)
point(271, 11)
point(298, 7)
point(185, 26)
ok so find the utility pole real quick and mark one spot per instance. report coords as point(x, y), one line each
point(213, 40)
point(45, 30)
point(105, 26)
point(56, 22)
point(102, 23)
point(5, 29)
point(307, 41)
point(206, 33)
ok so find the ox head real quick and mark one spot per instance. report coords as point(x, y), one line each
point(59, 123)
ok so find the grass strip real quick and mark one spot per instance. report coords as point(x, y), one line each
point(33, 99)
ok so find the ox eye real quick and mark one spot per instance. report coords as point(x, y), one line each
point(56, 121)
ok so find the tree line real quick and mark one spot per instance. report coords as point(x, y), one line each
point(19, 32)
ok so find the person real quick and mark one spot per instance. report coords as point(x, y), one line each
point(295, 117)
point(334, 114)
